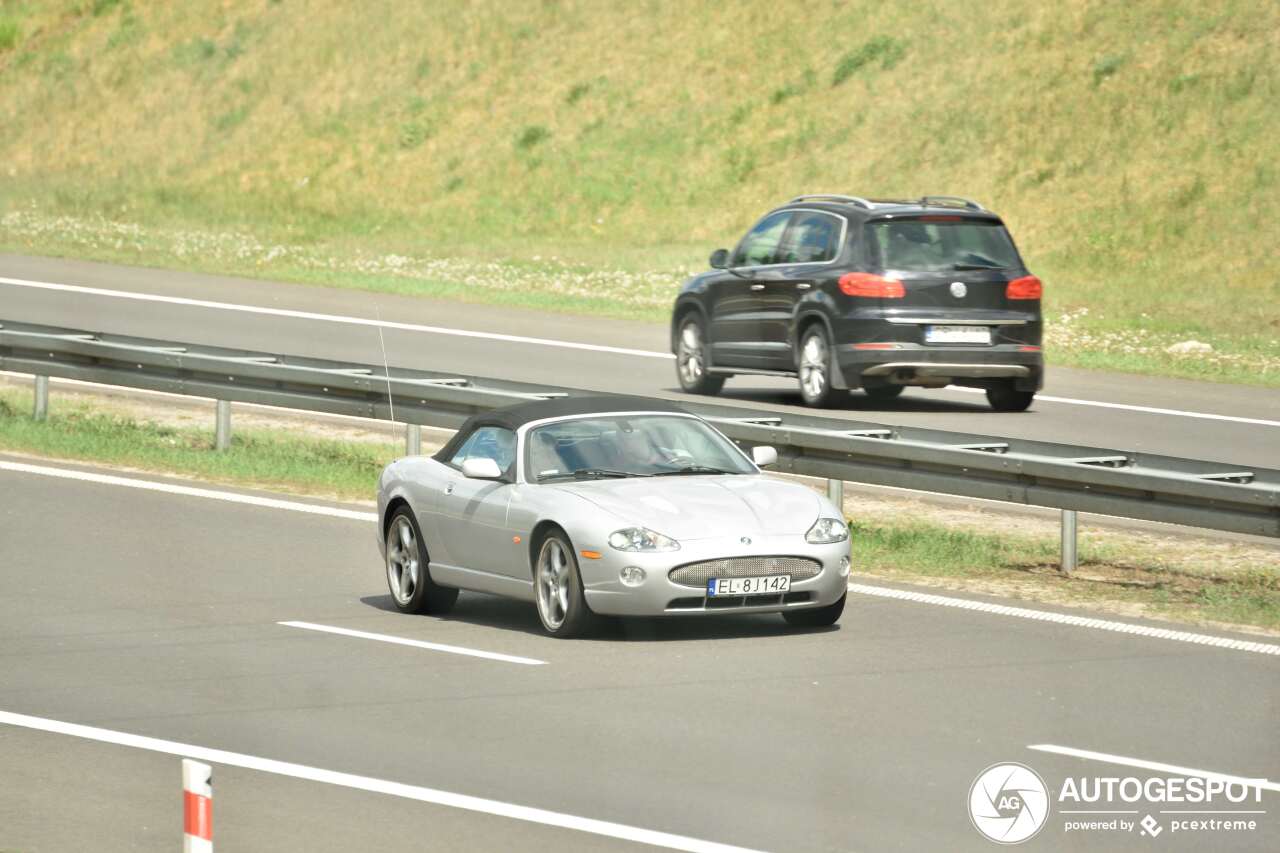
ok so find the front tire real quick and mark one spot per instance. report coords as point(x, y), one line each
point(691, 359)
point(817, 617)
point(1006, 398)
point(562, 605)
point(408, 575)
point(814, 369)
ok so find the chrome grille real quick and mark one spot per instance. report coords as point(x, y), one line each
point(697, 574)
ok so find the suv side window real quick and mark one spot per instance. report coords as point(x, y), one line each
point(489, 442)
point(760, 246)
point(811, 238)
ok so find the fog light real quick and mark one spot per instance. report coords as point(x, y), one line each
point(632, 575)
point(844, 567)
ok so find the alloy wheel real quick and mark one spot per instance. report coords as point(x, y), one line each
point(813, 367)
point(403, 566)
point(553, 583)
point(689, 354)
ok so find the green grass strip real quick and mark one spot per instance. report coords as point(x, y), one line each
point(257, 457)
point(919, 550)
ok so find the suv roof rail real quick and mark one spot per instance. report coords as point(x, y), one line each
point(851, 199)
point(950, 201)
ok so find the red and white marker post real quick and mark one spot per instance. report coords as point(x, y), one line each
point(197, 807)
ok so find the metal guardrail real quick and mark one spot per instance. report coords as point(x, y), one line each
point(1242, 499)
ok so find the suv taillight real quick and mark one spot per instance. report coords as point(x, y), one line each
point(1027, 287)
point(869, 284)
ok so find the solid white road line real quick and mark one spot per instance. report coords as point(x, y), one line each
point(417, 644)
point(864, 589)
point(1128, 407)
point(377, 786)
point(329, 318)
point(1158, 766)
point(186, 491)
point(1066, 619)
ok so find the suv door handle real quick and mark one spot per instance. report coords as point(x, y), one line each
point(757, 287)
point(804, 285)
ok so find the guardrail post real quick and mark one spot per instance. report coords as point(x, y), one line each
point(41, 410)
point(412, 440)
point(1068, 541)
point(222, 432)
point(835, 491)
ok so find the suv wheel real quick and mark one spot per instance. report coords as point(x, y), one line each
point(1005, 398)
point(691, 359)
point(814, 369)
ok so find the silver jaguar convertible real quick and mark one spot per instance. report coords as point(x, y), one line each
point(608, 506)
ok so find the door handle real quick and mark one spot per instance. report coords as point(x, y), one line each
point(804, 285)
point(448, 489)
point(757, 287)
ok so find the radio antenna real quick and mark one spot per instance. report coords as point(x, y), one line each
point(386, 370)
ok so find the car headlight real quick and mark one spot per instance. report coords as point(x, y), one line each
point(825, 531)
point(641, 539)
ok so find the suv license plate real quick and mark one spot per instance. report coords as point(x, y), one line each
point(957, 334)
point(749, 586)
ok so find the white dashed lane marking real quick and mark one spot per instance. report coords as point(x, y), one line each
point(417, 644)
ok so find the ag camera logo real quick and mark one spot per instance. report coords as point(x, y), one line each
point(1008, 803)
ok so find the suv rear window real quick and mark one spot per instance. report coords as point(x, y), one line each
point(916, 245)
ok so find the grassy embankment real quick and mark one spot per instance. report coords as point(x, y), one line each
point(574, 157)
point(1120, 572)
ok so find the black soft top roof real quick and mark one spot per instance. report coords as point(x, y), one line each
point(514, 417)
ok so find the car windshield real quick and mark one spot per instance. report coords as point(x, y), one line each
point(630, 446)
point(940, 244)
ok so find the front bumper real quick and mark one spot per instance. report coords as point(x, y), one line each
point(658, 595)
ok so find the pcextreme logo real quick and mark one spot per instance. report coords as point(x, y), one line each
point(1008, 803)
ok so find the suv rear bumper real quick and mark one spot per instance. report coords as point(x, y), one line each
point(935, 366)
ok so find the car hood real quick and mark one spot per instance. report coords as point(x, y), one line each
point(705, 506)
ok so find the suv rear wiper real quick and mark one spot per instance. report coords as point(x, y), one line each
point(695, 469)
point(965, 266)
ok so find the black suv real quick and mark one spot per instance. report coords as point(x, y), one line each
point(845, 292)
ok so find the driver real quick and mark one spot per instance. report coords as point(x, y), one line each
point(636, 446)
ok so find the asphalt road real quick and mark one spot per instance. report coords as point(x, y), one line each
point(157, 614)
point(1242, 426)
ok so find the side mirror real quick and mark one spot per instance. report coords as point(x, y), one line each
point(481, 468)
point(764, 455)
point(719, 259)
